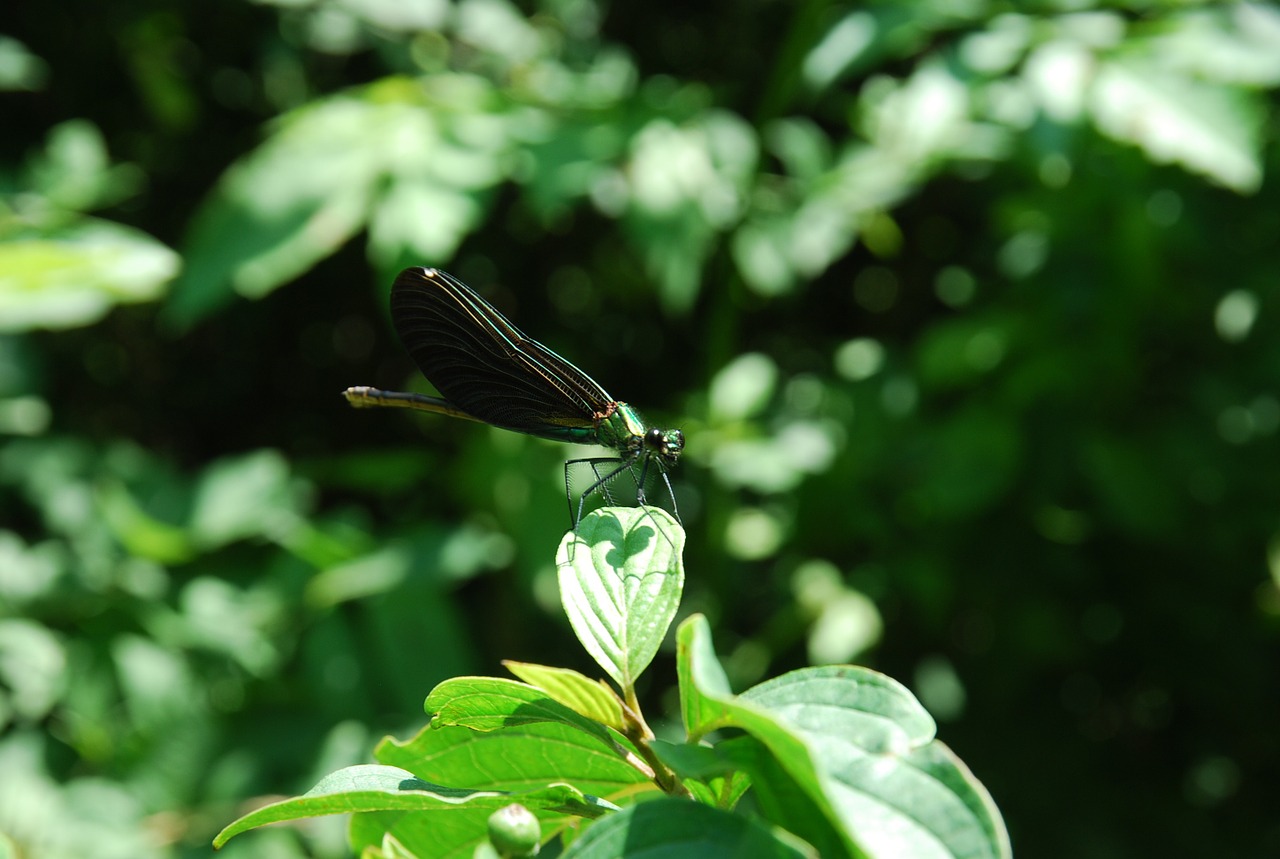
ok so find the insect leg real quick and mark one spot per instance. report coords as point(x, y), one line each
point(601, 483)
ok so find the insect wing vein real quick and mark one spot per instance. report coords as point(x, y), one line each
point(483, 364)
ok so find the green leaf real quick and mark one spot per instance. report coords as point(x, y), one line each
point(376, 572)
point(293, 201)
point(423, 218)
point(786, 777)
point(244, 496)
point(222, 618)
point(400, 156)
point(712, 773)
point(1211, 129)
point(27, 573)
point(383, 788)
point(743, 388)
point(688, 184)
point(704, 687)
point(20, 70)
point(621, 575)
point(61, 816)
point(788, 798)
point(592, 698)
point(74, 172)
point(855, 743)
point(866, 708)
point(155, 683)
point(33, 670)
point(516, 758)
point(494, 703)
point(140, 533)
point(73, 276)
point(674, 828)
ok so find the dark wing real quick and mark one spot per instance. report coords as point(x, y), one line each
point(483, 365)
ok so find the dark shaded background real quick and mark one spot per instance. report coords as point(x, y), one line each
point(1014, 384)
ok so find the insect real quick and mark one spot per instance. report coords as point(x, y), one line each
point(488, 371)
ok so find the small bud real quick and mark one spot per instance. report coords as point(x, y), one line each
point(514, 831)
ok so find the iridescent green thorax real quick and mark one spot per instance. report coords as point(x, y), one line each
point(622, 429)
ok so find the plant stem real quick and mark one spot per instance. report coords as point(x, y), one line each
point(638, 731)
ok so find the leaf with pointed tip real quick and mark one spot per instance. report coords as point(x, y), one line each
point(518, 757)
point(591, 698)
point(621, 575)
point(495, 703)
point(384, 788)
point(855, 743)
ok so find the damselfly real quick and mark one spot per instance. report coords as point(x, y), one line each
point(487, 371)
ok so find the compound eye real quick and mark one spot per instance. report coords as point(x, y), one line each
point(653, 439)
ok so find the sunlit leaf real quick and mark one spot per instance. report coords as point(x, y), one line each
point(687, 184)
point(845, 621)
point(524, 757)
point(371, 787)
point(376, 572)
point(499, 27)
point(859, 747)
point(19, 68)
point(493, 703)
point(222, 618)
point(33, 670)
point(74, 172)
point(291, 202)
point(142, 534)
point(621, 575)
point(28, 572)
point(245, 496)
point(922, 119)
point(73, 276)
point(1213, 130)
point(408, 159)
point(156, 683)
point(592, 698)
point(778, 462)
point(421, 218)
point(1234, 43)
point(839, 48)
point(66, 817)
point(743, 387)
point(395, 15)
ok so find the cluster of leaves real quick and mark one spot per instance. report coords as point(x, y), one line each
point(841, 759)
point(964, 314)
point(131, 631)
point(416, 160)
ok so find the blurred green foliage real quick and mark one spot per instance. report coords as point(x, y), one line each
point(964, 308)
